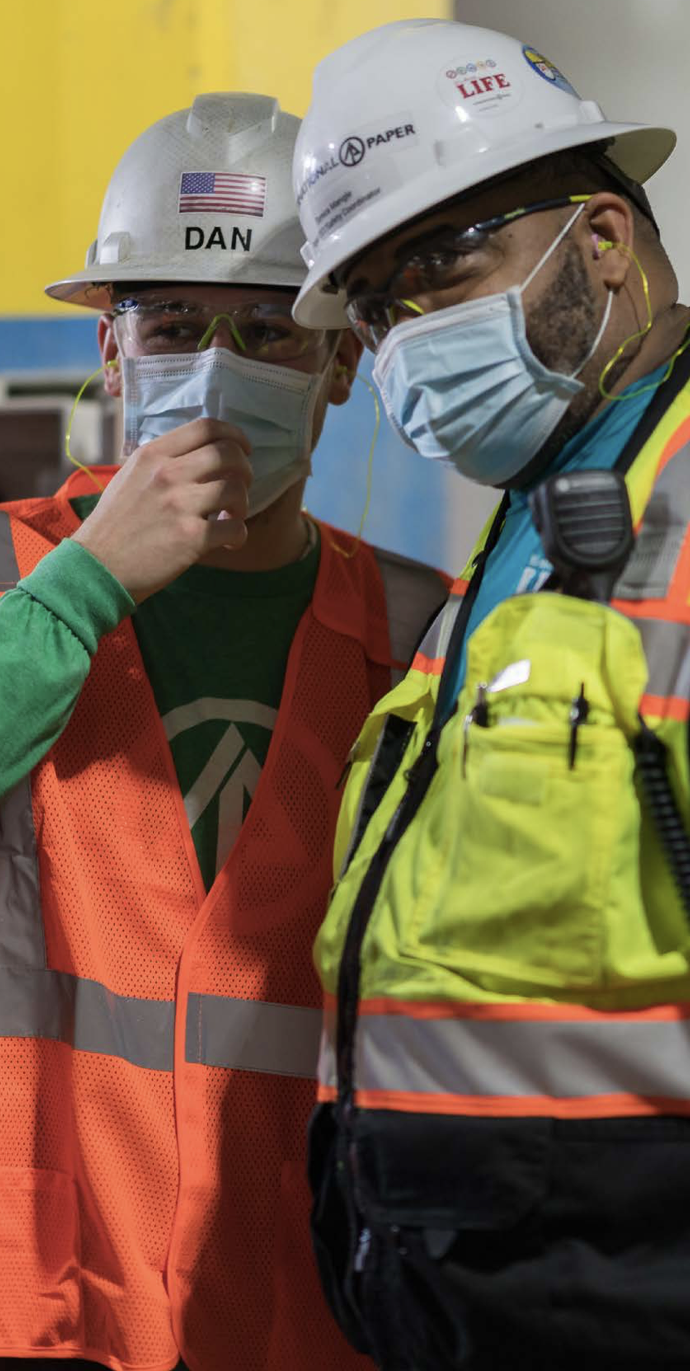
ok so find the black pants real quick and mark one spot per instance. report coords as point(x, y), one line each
point(529, 1245)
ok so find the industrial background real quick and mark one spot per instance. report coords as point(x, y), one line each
point(80, 83)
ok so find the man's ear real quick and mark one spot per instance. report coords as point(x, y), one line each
point(110, 353)
point(345, 363)
point(610, 224)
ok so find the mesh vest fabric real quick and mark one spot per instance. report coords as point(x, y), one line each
point(158, 1084)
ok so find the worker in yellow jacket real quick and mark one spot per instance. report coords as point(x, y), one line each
point(501, 1154)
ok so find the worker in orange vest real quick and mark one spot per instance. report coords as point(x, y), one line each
point(186, 659)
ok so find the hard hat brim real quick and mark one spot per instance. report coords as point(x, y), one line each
point(91, 287)
point(638, 150)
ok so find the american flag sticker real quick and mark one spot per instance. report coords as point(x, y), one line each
point(222, 192)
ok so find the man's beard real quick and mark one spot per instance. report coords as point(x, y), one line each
point(560, 330)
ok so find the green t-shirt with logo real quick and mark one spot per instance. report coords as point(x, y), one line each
point(215, 645)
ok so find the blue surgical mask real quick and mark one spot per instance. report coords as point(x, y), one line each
point(463, 386)
point(273, 405)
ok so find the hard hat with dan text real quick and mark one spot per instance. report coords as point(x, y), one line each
point(202, 196)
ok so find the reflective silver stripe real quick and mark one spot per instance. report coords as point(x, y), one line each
point(326, 1069)
point(22, 943)
point(9, 571)
point(435, 642)
point(252, 1035)
point(558, 1058)
point(413, 593)
point(652, 564)
point(87, 1016)
point(667, 649)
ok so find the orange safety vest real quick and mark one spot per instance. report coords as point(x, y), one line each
point(159, 1042)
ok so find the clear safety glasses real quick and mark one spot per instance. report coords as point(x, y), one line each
point(262, 331)
point(436, 263)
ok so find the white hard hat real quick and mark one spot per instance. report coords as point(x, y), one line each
point(417, 111)
point(202, 196)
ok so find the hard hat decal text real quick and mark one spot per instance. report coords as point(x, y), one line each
point(195, 237)
point(479, 85)
point(321, 169)
point(483, 85)
point(379, 138)
point(354, 149)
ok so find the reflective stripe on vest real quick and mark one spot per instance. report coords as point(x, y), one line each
point(431, 655)
point(22, 942)
point(667, 650)
point(9, 571)
point(659, 541)
point(249, 1035)
point(39, 1003)
point(520, 1059)
point(87, 1016)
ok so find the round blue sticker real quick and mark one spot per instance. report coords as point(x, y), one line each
point(547, 70)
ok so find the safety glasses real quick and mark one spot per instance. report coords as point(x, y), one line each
point(435, 263)
point(262, 330)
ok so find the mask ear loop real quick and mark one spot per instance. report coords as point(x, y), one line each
point(604, 245)
point(552, 246)
point(351, 552)
point(68, 451)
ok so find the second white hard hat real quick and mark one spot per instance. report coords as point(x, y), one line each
point(202, 196)
point(420, 110)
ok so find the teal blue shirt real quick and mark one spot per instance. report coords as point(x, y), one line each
point(517, 565)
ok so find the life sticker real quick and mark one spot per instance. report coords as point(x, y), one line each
point(546, 69)
point(479, 86)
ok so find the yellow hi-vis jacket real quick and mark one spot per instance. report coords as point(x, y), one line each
point(518, 947)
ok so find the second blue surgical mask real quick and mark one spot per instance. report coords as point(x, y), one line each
point(273, 405)
point(462, 385)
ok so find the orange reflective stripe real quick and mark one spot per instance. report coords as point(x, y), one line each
point(665, 707)
point(512, 1010)
point(431, 666)
point(526, 1106)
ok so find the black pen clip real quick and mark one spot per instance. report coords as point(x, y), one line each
point(579, 710)
point(479, 714)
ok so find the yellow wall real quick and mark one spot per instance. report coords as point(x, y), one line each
point(82, 78)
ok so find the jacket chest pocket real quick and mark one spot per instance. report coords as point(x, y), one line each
point(527, 842)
